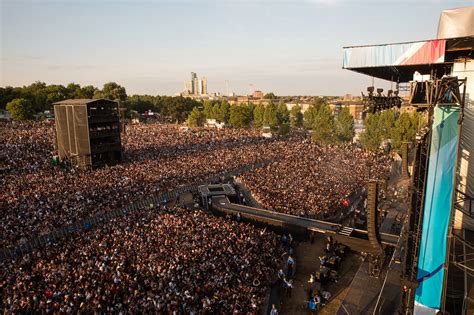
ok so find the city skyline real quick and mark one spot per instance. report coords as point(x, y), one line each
point(289, 48)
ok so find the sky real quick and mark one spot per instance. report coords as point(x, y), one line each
point(289, 47)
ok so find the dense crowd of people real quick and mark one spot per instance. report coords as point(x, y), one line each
point(158, 260)
point(169, 261)
point(313, 180)
point(37, 197)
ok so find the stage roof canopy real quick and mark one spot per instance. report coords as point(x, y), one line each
point(399, 61)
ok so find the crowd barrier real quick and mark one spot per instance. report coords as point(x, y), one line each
point(104, 217)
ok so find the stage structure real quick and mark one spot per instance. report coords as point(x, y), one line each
point(440, 74)
point(88, 132)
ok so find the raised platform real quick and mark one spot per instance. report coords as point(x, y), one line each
point(354, 238)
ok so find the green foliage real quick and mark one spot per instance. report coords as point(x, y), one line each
point(270, 116)
point(42, 96)
point(386, 122)
point(207, 111)
point(323, 125)
point(20, 109)
point(240, 116)
point(270, 96)
point(196, 118)
point(345, 126)
point(386, 125)
point(296, 117)
point(88, 91)
point(112, 91)
point(143, 103)
point(177, 108)
point(405, 129)
point(224, 111)
point(283, 115)
point(284, 129)
point(372, 136)
point(309, 116)
point(258, 116)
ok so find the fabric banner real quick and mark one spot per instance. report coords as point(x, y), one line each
point(404, 54)
point(437, 209)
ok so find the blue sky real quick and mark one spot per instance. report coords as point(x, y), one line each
point(288, 47)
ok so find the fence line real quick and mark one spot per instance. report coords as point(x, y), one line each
point(104, 217)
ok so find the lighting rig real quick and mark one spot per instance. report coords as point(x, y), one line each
point(374, 103)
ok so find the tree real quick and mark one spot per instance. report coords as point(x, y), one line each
point(56, 93)
point(73, 90)
point(258, 113)
point(196, 117)
point(345, 126)
point(284, 129)
point(283, 115)
point(20, 109)
point(270, 116)
point(270, 96)
point(224, 111)
point(112, 91)
point(323, 125)
point(387, 120)
point(371, 137)
point(36, 94)
point(309, 116)
point(177, 108)
point(239, 116)
point(141, 103)
point(296, 117)
point(88, 91)
point(208, 113)
point(405, 129)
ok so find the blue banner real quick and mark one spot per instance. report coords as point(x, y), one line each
point(437, 209)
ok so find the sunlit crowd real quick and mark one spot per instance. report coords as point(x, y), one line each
point(313, 180)
point(167, 260)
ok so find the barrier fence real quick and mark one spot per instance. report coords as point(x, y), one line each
point(104, 217)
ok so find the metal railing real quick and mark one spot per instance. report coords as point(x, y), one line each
point(104, 217)
point(464, 203)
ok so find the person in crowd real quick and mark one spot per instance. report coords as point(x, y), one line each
point(274, 310)
point(290, 266)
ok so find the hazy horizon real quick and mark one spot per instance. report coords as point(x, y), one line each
point(150, 47)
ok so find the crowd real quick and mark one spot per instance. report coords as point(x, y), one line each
point(169, 261)
point(37, 197)
point(314, 181)
point(156, 260)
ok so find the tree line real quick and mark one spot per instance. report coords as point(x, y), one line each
point(390, 125)
point(24, 102)
point(325, 127)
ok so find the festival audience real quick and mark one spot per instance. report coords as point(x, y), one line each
point(37, 197)
point(167, 261)
point(313, 180)
point(170, 262)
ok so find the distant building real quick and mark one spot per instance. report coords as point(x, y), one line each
point(304, 106)
point(356, 107)
point(203, 86)
point(257, 94)
point(347, 97)
point(195, 86)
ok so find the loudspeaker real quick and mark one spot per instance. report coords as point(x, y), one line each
point(372, 217)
